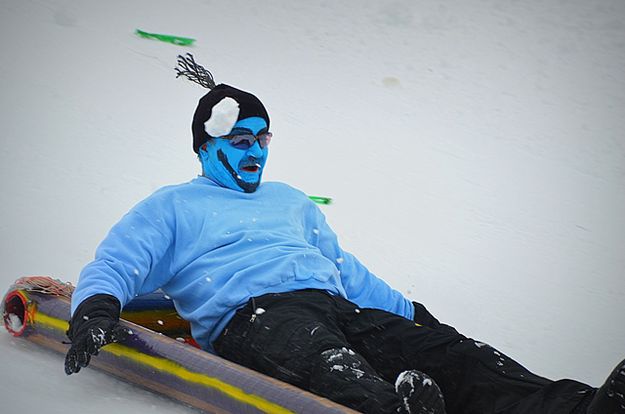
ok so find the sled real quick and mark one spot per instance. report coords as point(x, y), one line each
point(160, 356)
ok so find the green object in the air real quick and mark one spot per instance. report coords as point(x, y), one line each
point(320, 200)
point(176, 40)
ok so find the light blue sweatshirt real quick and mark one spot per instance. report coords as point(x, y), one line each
point(211, 248)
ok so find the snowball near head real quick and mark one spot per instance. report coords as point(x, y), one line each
point(223, 117)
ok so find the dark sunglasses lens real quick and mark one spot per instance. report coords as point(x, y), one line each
point(242, 141)
point(264, 139)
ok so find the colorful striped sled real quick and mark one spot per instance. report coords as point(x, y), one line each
point(160, 355)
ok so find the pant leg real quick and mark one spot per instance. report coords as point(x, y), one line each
point(295, 338)
point(474, 377)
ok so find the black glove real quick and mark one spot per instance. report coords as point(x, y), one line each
point(95, 323)
point(423, 317)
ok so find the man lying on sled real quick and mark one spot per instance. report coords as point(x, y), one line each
point(263, 281)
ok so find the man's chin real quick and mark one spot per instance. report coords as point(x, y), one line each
point(249, 177)
point(248, 182)
point(250, 188)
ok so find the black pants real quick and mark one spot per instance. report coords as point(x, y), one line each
point(327, 345)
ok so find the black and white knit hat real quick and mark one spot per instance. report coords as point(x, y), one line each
point(221, 107)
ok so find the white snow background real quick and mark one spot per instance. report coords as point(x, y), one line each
point(475, 152)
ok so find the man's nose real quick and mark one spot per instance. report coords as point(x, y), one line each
point(255, 150)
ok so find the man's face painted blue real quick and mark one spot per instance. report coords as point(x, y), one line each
point(235, 168)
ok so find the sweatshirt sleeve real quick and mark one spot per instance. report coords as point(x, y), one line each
point(125, 260)
point(362, 287)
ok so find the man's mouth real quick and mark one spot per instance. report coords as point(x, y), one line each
point(252, 168)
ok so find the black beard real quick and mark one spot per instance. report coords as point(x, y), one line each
point(245, 186)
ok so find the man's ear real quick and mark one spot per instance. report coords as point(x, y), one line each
point(202, 153)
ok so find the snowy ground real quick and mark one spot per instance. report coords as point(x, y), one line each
point(474, 149)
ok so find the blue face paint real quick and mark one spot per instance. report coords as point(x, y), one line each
point(238, 169)
point(255, 124)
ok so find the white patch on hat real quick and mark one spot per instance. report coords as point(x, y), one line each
point(223, 117)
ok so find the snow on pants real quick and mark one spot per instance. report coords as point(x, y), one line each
point(329, 346)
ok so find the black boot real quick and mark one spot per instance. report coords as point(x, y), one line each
point(419, 394)
point(610, 398)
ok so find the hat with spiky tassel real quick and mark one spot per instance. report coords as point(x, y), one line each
point(221, 107)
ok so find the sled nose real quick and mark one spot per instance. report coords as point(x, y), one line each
point(14, 313)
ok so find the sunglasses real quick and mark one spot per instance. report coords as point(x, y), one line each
point(245, 140)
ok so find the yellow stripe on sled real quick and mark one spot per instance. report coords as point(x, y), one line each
point(50, 322)
point(173, 368)
point(195, 377)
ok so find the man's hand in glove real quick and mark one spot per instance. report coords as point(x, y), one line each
point(424, 318)
point(95, 323)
